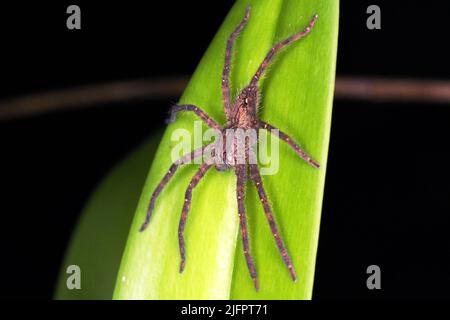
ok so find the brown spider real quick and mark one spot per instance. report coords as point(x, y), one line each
point(242, 114)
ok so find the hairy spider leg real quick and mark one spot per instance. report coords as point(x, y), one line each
point(186, 206)
point(199, 112)
point(280, 45)
point(184, 159)
point(256, 178)
point(227, 65)
point(283, 136)
point(241, 175)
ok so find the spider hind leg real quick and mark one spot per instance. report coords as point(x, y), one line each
point(240, 192)
point(186, 206)
point(169, 174)
point(256, 178)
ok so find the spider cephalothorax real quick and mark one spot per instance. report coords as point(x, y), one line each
point(240, 115)
point(243, 113)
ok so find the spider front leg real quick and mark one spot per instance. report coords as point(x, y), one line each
point(279, 46)
point(186, 206)
point(241, 175)
point(227, 65)
point(283, 136)
point(186, 158)
point(256, 178)
point(199, 112)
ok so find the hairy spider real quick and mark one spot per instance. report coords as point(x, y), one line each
point(241, 114)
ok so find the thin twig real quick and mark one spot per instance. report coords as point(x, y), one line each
point(91, 95)
point(379, 89)
point(367, 89)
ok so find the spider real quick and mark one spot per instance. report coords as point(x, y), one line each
point(240, 114)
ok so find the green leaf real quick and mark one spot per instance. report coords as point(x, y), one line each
point(99, 239)
point(297, 97)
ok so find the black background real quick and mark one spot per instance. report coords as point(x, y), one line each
point(387, 192)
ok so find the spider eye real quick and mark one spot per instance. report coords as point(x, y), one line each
point(246, 100)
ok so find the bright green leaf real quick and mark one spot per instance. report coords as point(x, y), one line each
point(297, 97)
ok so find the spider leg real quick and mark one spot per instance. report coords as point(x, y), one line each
point(240, 191)
point(187, 204)
point(280, 45)
point(186, 158)
point(283, 136)
point(199, 112)
point(227, 65)
point(256, 177)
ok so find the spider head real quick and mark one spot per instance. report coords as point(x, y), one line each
point(245, 106)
